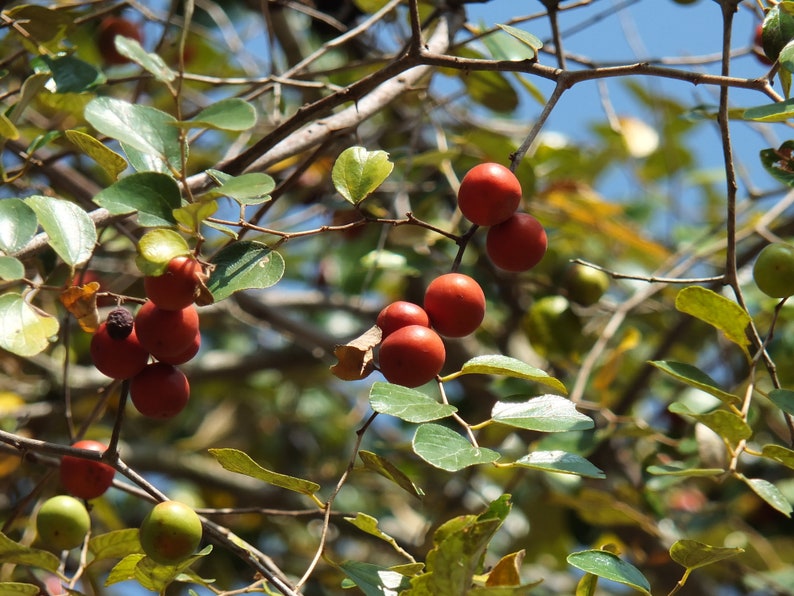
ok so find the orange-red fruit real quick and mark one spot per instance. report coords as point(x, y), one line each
point(411, 356)
point(160, 390)
point(176, 288)
point(166, 333)
point(185, 356)
point(489, 193)
point(85, 478)
point(109, 28)
point(117, 358)
point(455, 304)
point(401, 314)
point(517, 244)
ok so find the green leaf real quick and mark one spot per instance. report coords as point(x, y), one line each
point(374, 580)
point(546, 413)
point(242, 266)
point(694, 377)
point(18, 589)
point(15, 553)
point(778, 30)
point(526, 38)
point(367, 523)
point(681, 469)
point(407, 404)
point(609, 566)
point(72, 75)
point(11, 269)
point(444, 448)
point(125, 569)
point(8, 129)
point(773, 112)
point(193, 215)
point(385, 468)
point(41, 23)
point(71, 232)
point(152, 195)
point(152, 63)
point(247, 189)
point(111, 162)
point(779, 454)
point(560, 461)
point(693, 554)
point(156, 577)
point(18, 224)
point(716, 310)
point(783, 399)
point(156, 248)
point(114, 545)
point(726, 424)
point(237, 461)
point(506, 366)
point(232, 114)
point(487, 88)
point(358, 172)
point(769, 493)
point(24, 330)
point(779, 163)
point(143, 128)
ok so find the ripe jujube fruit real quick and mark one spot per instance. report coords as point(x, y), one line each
point(489, 193)
point(115, 349)
point(773, 270)
point(177, 286)
point(62, 523)
point(455, 304)
point(166, 333)
point(411, 356)
point(170, 532)
point(401, 314)
point(109, 28)
point(517, 244)
point(185, 355)
point(160, 390)
point(86, 478)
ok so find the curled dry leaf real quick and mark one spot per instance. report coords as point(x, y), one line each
point(203, 295)
point(355, 357)
point(80, 301)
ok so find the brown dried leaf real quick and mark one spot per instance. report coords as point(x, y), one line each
point(80, 301)
point(507, 571)
point(356, 357)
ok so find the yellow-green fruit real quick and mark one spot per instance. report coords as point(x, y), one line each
point(773, 270)
point(585, 285)
point(62, 523)
point(554, 330)
point(170, 533)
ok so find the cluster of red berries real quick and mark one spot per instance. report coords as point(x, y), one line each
point(489, 195)
point(165, 328)
point(412, 351)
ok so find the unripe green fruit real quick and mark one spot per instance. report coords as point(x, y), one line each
point(553, 328)
point(585, 285)
point(62, 523)
point(773, 270)
point(170, 533)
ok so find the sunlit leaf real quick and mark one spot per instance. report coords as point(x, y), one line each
point(524, 37)
point(498, 364)
point(358, 172)
point(246, 189)
point(15, 553)
point(11, 268)
point(774, 112)
point(232, 114)
point(769, 493)
point(716, 310)
point(546, 413)
point(115, 545)
point(681, 469)
point(81, 302)
point(507, 571)
point(694, 377)
point(18, 224)
point(728, 425)
point(157, 247)
point(193, 215)
point(560, 461)
point(237, 461)
point(407, 404)
point(18, 589)
point(693, 554)
point(152, 63)
point(446, 449)
point(111, 162)
point(243, 266)
point(780, 454)
point(609, 566)
point(71, 232)
point(24, 330)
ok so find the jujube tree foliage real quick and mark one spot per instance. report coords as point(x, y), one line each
point(295, 298)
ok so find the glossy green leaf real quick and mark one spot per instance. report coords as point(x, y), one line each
point(779, 454)
point(681, 469)
point(150, 62)
point(71, 232)
point(243, 266)
point(783, 399)
point(609, 566)
point(769, 493)
point(114, 545)
point(407, 404)
point(15, 553)
point(374, 580)
point(193, 215)
point(153, 196)
point(778, 30)
point(728, 425)
point(11, 269)
point(546, 413)
point(779, 163)
point(18, 224)
point(157, 247)
point(497, 364)
point(156, 577)
point(529, 40)
point(246, 189)
point(446, 449)
point(382, 466)
point(233, 114)
point(239, 462)
point(18, 589)
point(694, 377)
point(357, 172)
point(143, 128)
point(716, 310)
point(774, 112)
point(111, 162)
point(560, 461)
point(72, 75)
point(693, 554)
point(24, 330)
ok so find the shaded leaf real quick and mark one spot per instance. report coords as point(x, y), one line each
point(152, 195)
point(693, 554)
point(17, 588)
point(773, 112)
point(358, 172)
point(232, 114)
point(780, 162)
point(11, 269)
point(71, 232)
point(777, 31)
point(8, 129)
point(235, 460)
point(560, 461)
point(780, 454)
point(72, 75)
point(367, 523)
point(407, 404)
point(509, 367)
point(24, 330)
point(783, 399)
point(694, 377)
point(680, 469)
point(716, 310)
point(374, 580)
point(609, 566)
point(524, 37)
point(444, 448)
point(41, 23)
point(18, 554)
point(246, 189)
point(769, 493)
point(243, 266)
point(546, 413)
point(728, 425)
point(18, 224)
point(111, 162)
point(385, 468)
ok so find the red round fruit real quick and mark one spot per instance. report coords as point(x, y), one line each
point(86, 478)
point(455, 304)
point(517, 244)
point(401, 314)
point(489, 193)
point(117, 358)
point(166, 333)
point(411, 356)
point(160, 390)
point(185, 356)
point(176, 288)
point(109, 28)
